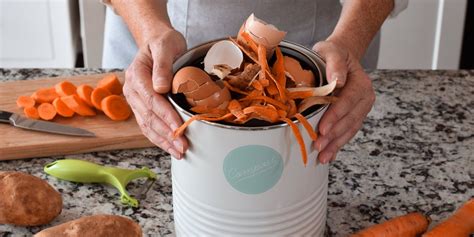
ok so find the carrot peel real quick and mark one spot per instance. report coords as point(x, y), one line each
point(299, 138)
point(307, 126)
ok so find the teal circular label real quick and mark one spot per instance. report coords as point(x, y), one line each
point(253, 169)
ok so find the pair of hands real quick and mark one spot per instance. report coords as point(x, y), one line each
point(150, 74)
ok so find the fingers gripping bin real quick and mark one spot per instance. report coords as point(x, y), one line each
point(248, 181)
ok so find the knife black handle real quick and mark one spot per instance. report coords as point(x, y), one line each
point(5, 116)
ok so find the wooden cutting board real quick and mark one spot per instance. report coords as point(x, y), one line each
point(16, 143)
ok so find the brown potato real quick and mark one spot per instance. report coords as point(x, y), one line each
point(26, 200)
point(97, 225)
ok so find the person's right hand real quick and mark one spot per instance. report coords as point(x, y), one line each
point(146, 80)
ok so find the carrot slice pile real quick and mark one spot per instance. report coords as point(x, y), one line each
point(65, 100)
point(84, 92)
point(31, 112)
point(62, 108)
point(25, 101)
point(111, 83)
point(97, 95)
point(65, 88)
point(115, 107)
point(46, 111)
point(77, 105)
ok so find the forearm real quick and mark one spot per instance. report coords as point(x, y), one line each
point(359, 22)
point(144, 18)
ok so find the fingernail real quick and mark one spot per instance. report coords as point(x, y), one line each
point(337, 76)
point(325, 130)
point(326, 157)
point(334, 77)
point(323, 142)
point(174, 153)
point(179, 145)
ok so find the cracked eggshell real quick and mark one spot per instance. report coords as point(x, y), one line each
point(215, 99)
point(301, 77)
point(189, 79)
point(263, 33)
point(222, 53)
point(203, 91)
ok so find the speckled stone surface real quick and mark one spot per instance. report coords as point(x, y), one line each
point(415, 152)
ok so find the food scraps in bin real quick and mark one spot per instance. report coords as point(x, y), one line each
point(274, 93)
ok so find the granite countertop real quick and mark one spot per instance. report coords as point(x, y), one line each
point(414, 152)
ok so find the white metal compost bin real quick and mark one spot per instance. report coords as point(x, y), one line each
point(249, 181)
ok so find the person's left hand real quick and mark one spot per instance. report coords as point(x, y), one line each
point(355, 95)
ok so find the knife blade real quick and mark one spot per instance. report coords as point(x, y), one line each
point(42, 126)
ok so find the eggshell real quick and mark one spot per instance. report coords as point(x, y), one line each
point(315, 100)
point(263, 33)
point(203, 91)
point(215, 99)
point(188, 79)
point(301, 77)
point(223, 53)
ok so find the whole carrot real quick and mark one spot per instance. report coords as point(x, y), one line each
point(460, 224)
point(410, 225)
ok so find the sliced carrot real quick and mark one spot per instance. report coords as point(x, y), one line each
point(65, 88)
point(62, 108)
point(97, 95)
point(84, 92)
point(46, 111)
point(77, 105)
point(307, 126)
point(116, 107)
point(111, 83)
point(25, 101)
point(299, 138)
point(45, 95)
point(31, 112)
point(461, 223)
point(410, 225)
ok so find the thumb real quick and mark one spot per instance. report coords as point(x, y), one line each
point(336, 62)
point(162, 70)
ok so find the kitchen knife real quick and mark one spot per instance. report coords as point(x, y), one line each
point(42, 126)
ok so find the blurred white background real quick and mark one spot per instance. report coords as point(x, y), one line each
point(69, 33)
